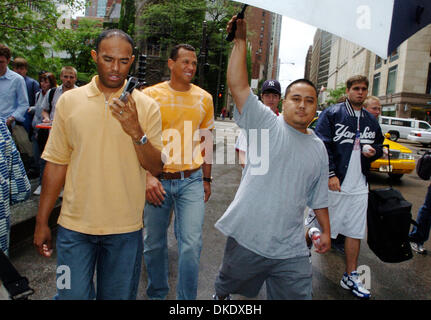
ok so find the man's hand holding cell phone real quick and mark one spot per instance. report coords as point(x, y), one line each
point(124, 110)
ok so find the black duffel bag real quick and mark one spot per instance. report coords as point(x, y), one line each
point(389, 219)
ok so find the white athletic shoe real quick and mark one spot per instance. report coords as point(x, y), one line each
point(351, 282)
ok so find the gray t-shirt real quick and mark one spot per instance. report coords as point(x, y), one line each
point(267, 213)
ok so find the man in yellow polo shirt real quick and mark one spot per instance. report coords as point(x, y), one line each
point(101, 148)
point(187, 115)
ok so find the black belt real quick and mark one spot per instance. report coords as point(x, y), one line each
point(15, 284)
point(177, 175)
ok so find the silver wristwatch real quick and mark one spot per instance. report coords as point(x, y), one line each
point(142, 141)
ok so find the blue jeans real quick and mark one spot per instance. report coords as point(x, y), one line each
point(421, 233)
point(117, 259)
point(186, 197)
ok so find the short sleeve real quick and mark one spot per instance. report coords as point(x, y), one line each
point(208, 120)
point(153, 127)
point(318, 197)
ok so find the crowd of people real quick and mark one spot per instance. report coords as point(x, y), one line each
point(123, 180)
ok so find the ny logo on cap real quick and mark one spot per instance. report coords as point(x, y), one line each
point(271, 84)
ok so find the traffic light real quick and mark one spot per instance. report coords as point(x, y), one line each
point(221, 91)
point(142, 68)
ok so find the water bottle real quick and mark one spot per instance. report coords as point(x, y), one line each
point(314, 234)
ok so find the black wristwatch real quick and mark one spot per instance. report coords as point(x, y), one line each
point(207, 179)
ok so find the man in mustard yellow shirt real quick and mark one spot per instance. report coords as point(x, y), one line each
point(187, 116)
point(101, 149)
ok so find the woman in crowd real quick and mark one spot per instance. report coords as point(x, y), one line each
point(46, 81)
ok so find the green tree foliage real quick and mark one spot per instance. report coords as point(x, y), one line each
point(29, 28)
point(127, 17)
point(167, 23)
point(78, 44)
point(336, 94)
point(170, 22)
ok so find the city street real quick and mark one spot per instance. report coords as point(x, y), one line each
point(410, 280)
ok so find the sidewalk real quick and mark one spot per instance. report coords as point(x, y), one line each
point(23, 218)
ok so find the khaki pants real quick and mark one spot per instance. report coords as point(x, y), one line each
point(24, 146)
point(22, 142)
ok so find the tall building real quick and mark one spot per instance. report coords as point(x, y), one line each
point(308, 63)
point(274, 50)
point(113, 11)
point(97, 8)
point(402, 81)
point(264, 30)
point(320, 58)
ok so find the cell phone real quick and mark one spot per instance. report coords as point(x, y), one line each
point(240, 15)
point(131, 84)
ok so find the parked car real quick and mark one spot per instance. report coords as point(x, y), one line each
point(401, 127)
point(402, 159)
point(423, 137)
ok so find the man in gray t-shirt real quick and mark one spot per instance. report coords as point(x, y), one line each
point(265, 230)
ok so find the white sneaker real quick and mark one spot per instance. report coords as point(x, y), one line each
point(37, 191)
point(417, 247)
point(351, 282)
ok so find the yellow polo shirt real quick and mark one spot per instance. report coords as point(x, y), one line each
point(184, 115)
point(104, 191)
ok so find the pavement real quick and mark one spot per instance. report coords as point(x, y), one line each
point(409, 280)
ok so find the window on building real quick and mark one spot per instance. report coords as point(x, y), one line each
point(392, 80)
point(429, 80)
point(378, 62)
point(394, 55)
point(262, 28)
point(376, 84)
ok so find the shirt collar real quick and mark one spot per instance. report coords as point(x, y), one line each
point(93, 90)
point(351, 110)
point(8, 74)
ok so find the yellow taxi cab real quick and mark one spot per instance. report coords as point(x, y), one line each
point(402, 159)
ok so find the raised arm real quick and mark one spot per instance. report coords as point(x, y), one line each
point(237, 76)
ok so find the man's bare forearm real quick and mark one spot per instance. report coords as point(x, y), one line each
point(53, 180)
point(150, 158)
point(322, 216)
point(237, 75)
point(206, 170)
